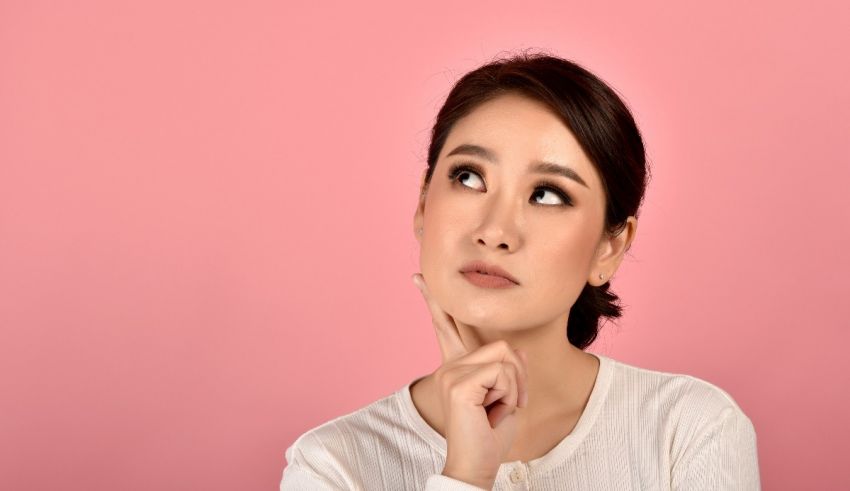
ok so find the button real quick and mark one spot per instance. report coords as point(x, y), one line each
point(517, 475)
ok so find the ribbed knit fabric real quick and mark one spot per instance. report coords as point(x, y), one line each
point(641, 429)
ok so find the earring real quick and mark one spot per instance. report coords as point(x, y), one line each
point(601, 276)
point(419, 231)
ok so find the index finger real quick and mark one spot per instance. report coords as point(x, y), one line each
point(448, 337)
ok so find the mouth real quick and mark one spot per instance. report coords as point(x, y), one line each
point(485, 280)
point(488, 275)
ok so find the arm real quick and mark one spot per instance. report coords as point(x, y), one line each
point(439, 482)
point(310, 466)
point(724, 457)
point(296, 478)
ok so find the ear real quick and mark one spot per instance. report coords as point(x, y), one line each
point(419, 216)
point(610, 252)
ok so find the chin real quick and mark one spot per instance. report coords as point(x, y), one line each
point(484, 315)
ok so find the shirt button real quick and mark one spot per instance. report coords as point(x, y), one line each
point(516, 475)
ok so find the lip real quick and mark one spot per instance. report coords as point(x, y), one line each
point(478, 269)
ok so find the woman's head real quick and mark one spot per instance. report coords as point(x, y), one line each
point(484, 197)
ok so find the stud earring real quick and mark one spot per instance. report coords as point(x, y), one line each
point(419, 231)
point(601, 276)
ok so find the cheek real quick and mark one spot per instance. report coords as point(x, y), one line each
point(436, 236)
point(445, 220)
point(438, 249)
point(565, 257)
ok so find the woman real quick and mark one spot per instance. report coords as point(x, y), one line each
point(536, 171)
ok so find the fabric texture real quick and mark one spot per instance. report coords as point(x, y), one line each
point(641, 429)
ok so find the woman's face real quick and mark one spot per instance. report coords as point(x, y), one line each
point(501, 211)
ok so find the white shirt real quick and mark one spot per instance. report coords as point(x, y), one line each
point(640, 429)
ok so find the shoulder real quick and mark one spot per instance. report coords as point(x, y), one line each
point(702, 424)
point(678, 394)
point(335, 452)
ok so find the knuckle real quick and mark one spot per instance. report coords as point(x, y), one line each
point(509, 370)
point(503, 345)
point(517, 363)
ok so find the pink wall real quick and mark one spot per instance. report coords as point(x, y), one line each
point(205, 221)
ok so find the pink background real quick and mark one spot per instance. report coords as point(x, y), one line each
point(206, 221)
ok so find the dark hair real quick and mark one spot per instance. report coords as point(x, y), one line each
point(603, 126)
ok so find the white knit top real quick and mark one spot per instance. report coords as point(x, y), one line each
point(641, 429)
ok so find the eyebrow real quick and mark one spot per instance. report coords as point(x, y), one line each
point(541, 167)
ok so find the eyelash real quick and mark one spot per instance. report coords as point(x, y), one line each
point(458, 169)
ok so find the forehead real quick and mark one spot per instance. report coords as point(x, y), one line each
point(520, 130)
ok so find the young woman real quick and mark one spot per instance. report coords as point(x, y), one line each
point(536, 171)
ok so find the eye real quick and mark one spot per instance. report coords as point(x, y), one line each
point(464, 171)
point(553, 188)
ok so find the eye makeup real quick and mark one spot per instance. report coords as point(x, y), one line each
point(457, 169)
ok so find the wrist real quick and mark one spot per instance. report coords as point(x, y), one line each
point(484, 482)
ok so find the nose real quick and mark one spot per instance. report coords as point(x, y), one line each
point(499, 227)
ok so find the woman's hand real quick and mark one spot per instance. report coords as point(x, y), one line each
point(479, 392)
